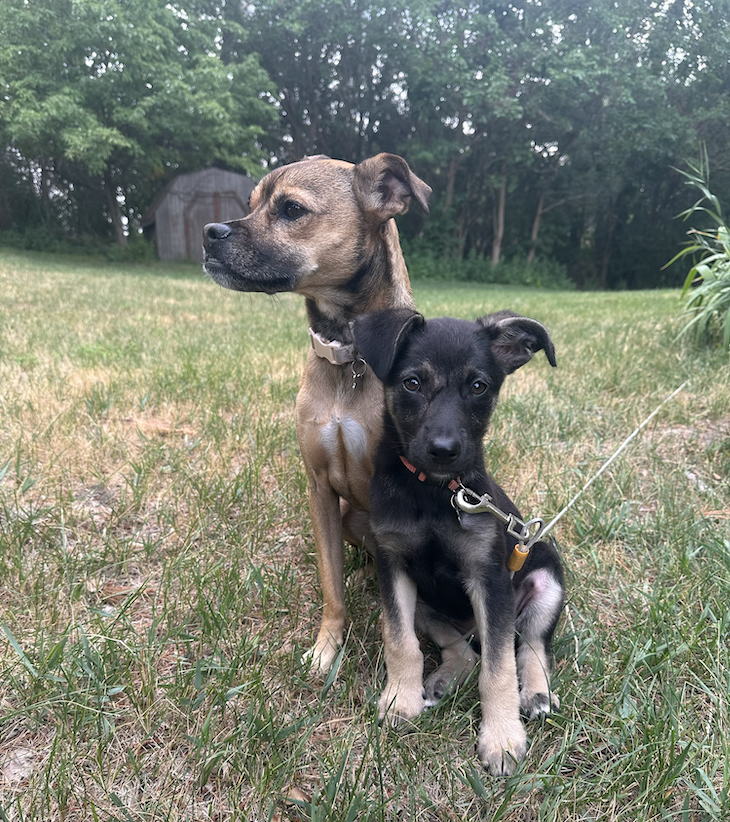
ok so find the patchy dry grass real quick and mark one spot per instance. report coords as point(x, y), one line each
point(157, 581)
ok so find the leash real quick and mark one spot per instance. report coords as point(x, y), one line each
point(527, 533)
point(464, 499)
point(611, 459)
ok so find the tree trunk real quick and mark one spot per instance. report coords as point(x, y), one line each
point(499, 219)
point(115, 213)
point(608, 245)
point(461, 235)
point(450, 183)
point(44, 192)
point(536, 228)
point(313, 135)
point(293, 117)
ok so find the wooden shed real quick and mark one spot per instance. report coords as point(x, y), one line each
point(176, 218)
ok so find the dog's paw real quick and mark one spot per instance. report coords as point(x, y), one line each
point(437, 686)
point(501, 749)
point(398, 704)
point(322, 656)
point(534, 706)
point(449, 675)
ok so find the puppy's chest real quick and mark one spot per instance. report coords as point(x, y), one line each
point(441, 557)
point(441, 543)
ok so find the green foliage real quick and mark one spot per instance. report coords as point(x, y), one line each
point(137, 249)
point(707, 287)
point(546, 129)
point(115, 97)
point(540, 273)
point(575, 112)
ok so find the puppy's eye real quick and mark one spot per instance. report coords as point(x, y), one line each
point(293, 210)
point(478, 387)
point(412, 384)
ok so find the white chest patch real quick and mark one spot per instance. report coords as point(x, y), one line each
point(347, 432)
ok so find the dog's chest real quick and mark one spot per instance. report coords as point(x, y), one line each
point(338, 426)
point(342, 432)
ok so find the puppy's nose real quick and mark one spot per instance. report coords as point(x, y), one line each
point(444, 450)
point(214, 232)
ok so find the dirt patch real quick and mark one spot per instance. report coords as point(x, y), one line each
point(704, 433)
point(158, 426)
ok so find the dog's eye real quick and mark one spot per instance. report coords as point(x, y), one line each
point(478, 387)
point(293, 210)
point(411, 384)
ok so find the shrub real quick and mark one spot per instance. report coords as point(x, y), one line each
point(37, 238)
point(706, 289)
point(541, 273)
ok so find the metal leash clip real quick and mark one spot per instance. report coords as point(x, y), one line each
point(526, 533)
point(358, 371)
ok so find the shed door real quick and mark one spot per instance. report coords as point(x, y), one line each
point(204, 208)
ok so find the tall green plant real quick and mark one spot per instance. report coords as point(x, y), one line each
point(706, 289)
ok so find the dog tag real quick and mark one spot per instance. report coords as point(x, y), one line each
point(358, 371)
point(455, 506)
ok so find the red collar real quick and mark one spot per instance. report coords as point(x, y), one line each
point(454, 484)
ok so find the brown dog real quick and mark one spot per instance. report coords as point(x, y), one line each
point(324, 229)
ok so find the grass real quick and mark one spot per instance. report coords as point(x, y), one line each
point(158, 584)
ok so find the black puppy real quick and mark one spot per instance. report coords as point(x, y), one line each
point(446, 572)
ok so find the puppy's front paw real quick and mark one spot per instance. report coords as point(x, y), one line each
point(501, 748)
point(533, 706)
point(399, 703)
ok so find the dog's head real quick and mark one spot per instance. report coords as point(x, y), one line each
point(312, 224)
point(442, 378)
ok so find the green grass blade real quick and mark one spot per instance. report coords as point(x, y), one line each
point(18, 650)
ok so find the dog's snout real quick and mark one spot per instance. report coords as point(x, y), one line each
point(444, 450)
point(216, 231)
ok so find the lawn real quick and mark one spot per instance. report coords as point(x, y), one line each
point(158, 584)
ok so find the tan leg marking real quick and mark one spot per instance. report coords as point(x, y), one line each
point(502, 739)
point(458, 658)
point(324, 506)
point(533, 661)
point(533, 668)
point(403, 694)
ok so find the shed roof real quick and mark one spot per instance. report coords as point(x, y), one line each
point(205, 181)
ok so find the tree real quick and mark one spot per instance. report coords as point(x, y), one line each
point(109, 97)
point(546, 127)
point(622, 78)
point(336, 66)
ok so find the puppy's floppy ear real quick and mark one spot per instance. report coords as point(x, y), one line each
point(384, 185)
point(515, 339)
point(380, 335)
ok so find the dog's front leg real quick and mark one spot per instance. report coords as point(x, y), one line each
point(324, 507)
point(502, 738)
point(403, 696)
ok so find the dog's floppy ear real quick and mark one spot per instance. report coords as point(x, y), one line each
point(515, 339)
point(379, 336)
point(384, 185)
